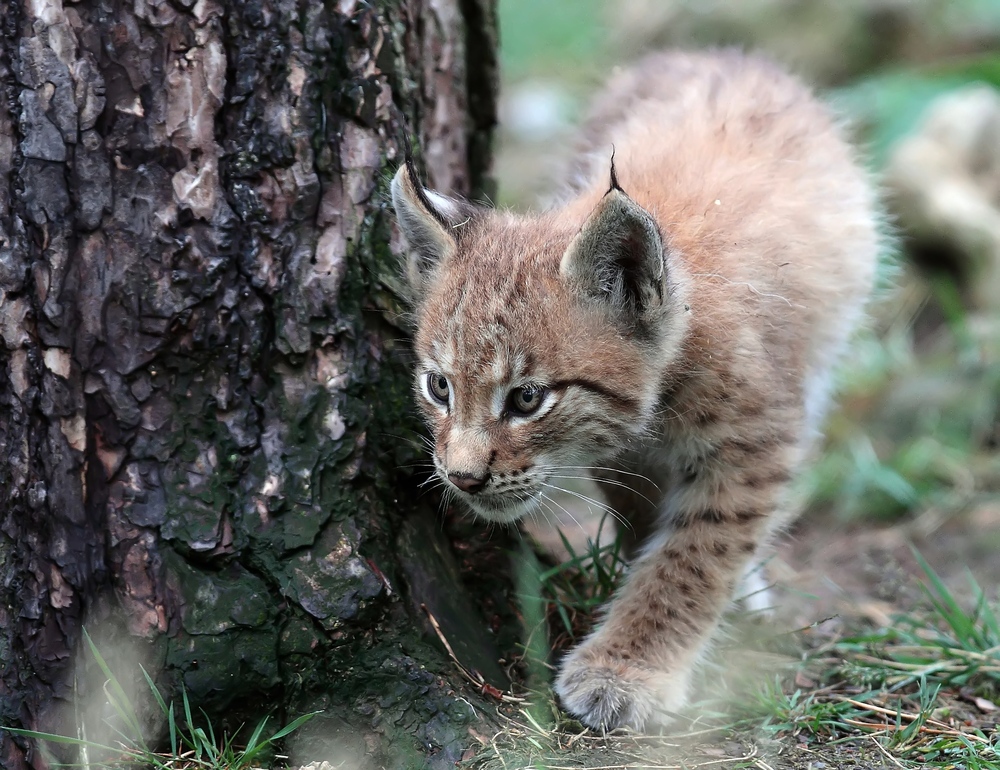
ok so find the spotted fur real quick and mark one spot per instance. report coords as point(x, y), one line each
point(677, 322)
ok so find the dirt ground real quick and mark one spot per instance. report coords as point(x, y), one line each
point(827, 568)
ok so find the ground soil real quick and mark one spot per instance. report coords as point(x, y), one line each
point(829, 568)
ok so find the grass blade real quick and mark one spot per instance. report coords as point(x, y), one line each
point(64, 739)
point(294, 725)
point(117, 696)
point(156, 693)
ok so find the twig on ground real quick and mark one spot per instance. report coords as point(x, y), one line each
point(473, 676)
point(887, 753)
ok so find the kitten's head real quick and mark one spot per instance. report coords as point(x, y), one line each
point(540, 339)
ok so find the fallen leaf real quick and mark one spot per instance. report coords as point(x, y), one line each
point(985, 705)
point(801, 680)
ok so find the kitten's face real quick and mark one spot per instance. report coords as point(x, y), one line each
point(540, 341)
point(522, 385)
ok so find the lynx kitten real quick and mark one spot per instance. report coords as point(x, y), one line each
point(678, 325)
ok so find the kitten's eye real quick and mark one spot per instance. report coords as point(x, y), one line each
point(526, 400)
point(437, 386)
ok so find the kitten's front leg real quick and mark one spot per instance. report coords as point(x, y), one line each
point(637, 665)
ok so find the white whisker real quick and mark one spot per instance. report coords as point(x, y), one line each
point(564, 510)
point(612, 482)
point(602, 468)
point(591, 501)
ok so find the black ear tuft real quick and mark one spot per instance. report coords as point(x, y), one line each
point(617, 258)
point(614, 174)
point(421, 193)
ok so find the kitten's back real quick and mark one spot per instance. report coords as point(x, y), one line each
point(750, 178)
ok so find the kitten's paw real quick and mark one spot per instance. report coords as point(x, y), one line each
point(604, 692)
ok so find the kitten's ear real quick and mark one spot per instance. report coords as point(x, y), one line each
point(427, 220)
point(617, 257)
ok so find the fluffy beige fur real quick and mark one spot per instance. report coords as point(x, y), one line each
point(678, 323)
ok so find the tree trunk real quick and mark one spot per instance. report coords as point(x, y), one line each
point(204, 400)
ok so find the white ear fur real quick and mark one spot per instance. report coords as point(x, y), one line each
point(449, 208)
point(426, 219)
point(617, 257)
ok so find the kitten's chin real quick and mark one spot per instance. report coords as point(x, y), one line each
point(501, 510)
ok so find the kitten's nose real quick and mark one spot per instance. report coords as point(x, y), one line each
point(467, 482)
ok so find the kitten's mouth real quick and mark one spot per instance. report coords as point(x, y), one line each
point(503, 509)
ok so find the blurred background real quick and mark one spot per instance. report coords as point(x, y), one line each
point(912, 454)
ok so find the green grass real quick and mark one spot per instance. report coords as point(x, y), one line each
point(192, 743)
point(887, 106)
point(574, 589)
point(948, 645)
point(911, 687)
point(917, 727)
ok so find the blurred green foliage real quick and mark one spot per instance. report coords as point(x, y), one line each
point(887, 106)
point(553, 37)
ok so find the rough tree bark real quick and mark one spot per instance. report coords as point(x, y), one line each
point(202, 391)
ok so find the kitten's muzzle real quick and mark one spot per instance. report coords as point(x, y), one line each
point(468, 482)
